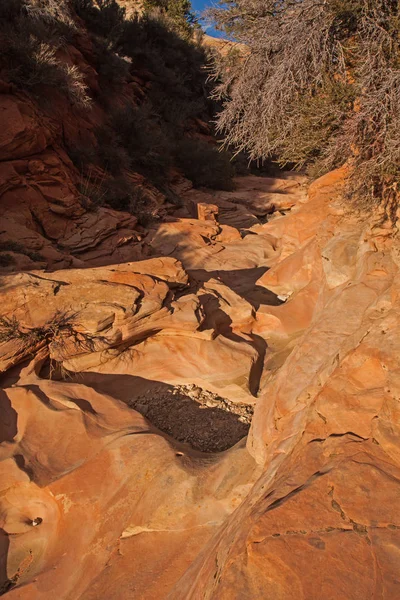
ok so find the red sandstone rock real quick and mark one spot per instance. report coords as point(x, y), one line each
point(207, 212)
point(320, 508)
point(24, 131)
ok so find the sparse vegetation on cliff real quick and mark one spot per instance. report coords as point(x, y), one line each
point(31, 34)
point(59, 331)
point(139, 82)
point(150, 135)
point(319, 85)
point(16, 247)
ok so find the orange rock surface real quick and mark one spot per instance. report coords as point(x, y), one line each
point(297, 318)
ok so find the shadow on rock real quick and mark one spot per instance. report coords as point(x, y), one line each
point(187, 413)
point(5, 583)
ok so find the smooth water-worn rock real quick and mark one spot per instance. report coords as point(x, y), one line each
point(296, 319)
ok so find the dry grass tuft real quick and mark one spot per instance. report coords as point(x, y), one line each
point(31, 33)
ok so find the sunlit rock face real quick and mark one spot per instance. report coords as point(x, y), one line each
point(127, 390)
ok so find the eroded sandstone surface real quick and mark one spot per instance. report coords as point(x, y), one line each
point(277, 302)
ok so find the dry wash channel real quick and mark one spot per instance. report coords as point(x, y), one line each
point(296, 318)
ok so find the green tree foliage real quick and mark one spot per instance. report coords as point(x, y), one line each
point(179, 13)
point(317, 85)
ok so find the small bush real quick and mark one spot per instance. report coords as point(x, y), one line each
point(112, 69)
point(175, 104)
point(171, 197)
point(204, 165)
point(73, 84)
point(178, 13)
point(6, 260)
point(111, 155)
point(46, 19)
point(18, 248)
point(82, 155)
point(117, 193)
point(178, 88)
point(131, 138)
point(104, 18)
point(55, 332)
point(107, 153)
point(240, 163)
point(52, 15)
point(9, 329)
point(140, 206)
point(92, 190)
point(11, 10)
point(144, 141)
point(145, 137)
point(29, 40)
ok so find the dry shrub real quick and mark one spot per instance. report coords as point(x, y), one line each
point(111, 155)
point(104, 18)
point(117, 193)
point(59, 332)
point(12, 246)
point(144, 140)
point(204, 165)
point(28, 337)
point(6, 260)
point(53, 13)
point(318, 84)
point(147, 138)
point(31, 33)
point(178, 88)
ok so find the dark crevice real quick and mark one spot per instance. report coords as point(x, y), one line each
point(337, 435)
point(280, 501)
